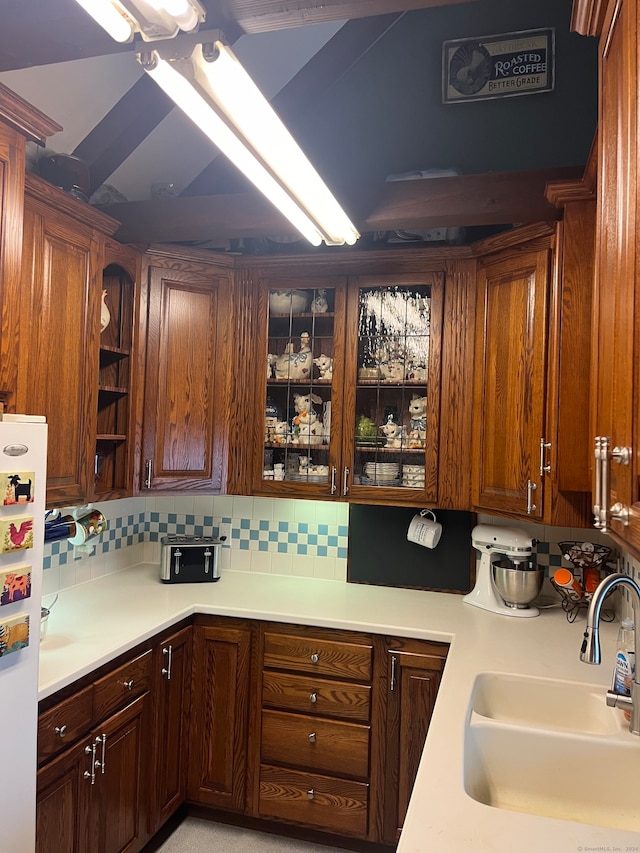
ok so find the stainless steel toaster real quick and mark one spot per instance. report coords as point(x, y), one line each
point(190, 559)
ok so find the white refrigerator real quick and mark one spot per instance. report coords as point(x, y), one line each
point(23, 458)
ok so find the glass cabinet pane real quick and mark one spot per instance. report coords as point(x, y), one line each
point(391, 390)
point(299, 365)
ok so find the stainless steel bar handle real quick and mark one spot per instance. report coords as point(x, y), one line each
point(392, 681)
point(334, 488)
point(176, 560)
point(148, 467)
point(207, 557)
point(598, 485)
point(544, 469)
point(91, 774)
point(531, 487)
point(101, 764)
point(345, 481)
point(604, 482)
point(166, 671)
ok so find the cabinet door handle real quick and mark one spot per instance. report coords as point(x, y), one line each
point(313, 698)
point(310, 794)
point(345, 481)
point(604, 481)
point(531, 487)
point(597, 496)
point(91, 774)
point(128, 685)
point(312, 737)
point(148, 467)
point(166, 671)
point(334, 488)
point(392, 680)
point(314, 658)
point(61, 731)
point(544, 469)
point(620, 512)
point(101, 739)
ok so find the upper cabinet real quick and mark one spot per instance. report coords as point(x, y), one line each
point(348, 397)
point(616, 425)
point(531, 371)
point(187, 376)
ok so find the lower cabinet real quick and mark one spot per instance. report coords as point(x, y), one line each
point(220, 713)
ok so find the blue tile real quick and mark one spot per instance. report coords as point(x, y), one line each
point(283, 526)
point(332, 541)
point(312, 539)
point(342, 552)
point(273, 536)
point(303, 527)
point(154, 536)
point(263, 524)
point(301, 549)
point(155, 516)
point(129, 540)
point(189, 519)
point(542, 547)
point(162, 528)
point(180, 528)
point(322, 551)
point(235, 533)
point(244, 544)
point(172, 518)
point(63, 560)
point(323, 529)
point(263, 546)
point(225, 519)
point(208, 520)
point(254, 535)
point(55, 548)
point(292, 537)
point(282, 548)
point(46, 563)
point(245, 523)
point(129, 519)
point(118, 544)
point(198, 530)
point(343, 530)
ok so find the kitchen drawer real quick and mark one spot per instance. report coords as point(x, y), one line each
point(122, 685)
point(67, 721)
point(351, 661)
point(319, 696)
point(337, 805)
point(315, 744)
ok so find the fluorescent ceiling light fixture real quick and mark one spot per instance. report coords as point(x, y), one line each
point(153, 19)
point(210, 85)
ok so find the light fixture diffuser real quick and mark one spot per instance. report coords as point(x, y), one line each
point(210, 85)
point(153, 19)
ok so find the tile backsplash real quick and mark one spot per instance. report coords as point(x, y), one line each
point(278, 536)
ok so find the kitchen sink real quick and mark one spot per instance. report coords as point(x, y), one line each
point(575, 777)
point(544, 703)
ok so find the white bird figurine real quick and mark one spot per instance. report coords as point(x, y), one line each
point(105, 314)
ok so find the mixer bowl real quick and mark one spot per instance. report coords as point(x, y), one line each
point(518, 587)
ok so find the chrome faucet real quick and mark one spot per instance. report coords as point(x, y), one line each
point(590, 650)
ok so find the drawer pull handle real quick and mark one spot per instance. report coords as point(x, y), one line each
point(128, 684)
point(60, 731)
point(315, 657)
point(313, 698)
point(312, 737)
point(310, 794)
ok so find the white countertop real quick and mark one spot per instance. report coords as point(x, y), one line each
point(94, 622)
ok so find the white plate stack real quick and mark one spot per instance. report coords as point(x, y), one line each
point(382, 473)
point(413, 476)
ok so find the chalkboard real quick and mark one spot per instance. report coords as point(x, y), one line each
point(380, 554)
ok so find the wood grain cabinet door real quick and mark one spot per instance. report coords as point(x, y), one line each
point(510, 382)
point(186, 381)
point(63, 802)
point(172, 660)
point(219, 716)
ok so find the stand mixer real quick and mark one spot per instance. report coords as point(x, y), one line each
point(494, 542)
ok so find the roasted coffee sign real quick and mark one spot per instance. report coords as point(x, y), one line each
point(501, 66)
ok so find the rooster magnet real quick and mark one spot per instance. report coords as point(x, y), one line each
point(16, 534)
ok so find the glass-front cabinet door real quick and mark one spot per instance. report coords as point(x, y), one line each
point(303, 352)
point(392, 388)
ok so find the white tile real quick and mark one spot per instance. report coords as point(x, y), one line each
point(261, 561)
point(483, 518)
point(342, 512)
point(303, 567)
point(51, 580)
point(324, 567)
point(183, 504)
point(305, 511)
point(242, 507)
point(83, 570)
point(203, 505)
point(223, 506)
point(263, 508)
point(281, 564)
point(225, 559)
point(340, 573)
point(327, 512)
point(111, 562)
point(165, 504)
point(284, 510)
point(151, 552)
point(241, 560)
point(97, 566)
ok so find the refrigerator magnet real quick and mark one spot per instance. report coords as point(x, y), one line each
point(18, 487)
point(15, 584)
point(14, 634)
point(16, 534)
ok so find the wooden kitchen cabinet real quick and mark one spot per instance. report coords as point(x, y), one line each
point(187, 378)
point(92, 796)
point(413, 669)
point(615, 421)
point(531, 385)
point(220, 713)
point(386, 325)
point(172, 670)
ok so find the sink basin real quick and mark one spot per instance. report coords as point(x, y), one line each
point(584, 778)
point(544, 703)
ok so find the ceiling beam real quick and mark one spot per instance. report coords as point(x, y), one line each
point(256, 16)
point(490, 199)
point(293, 101)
